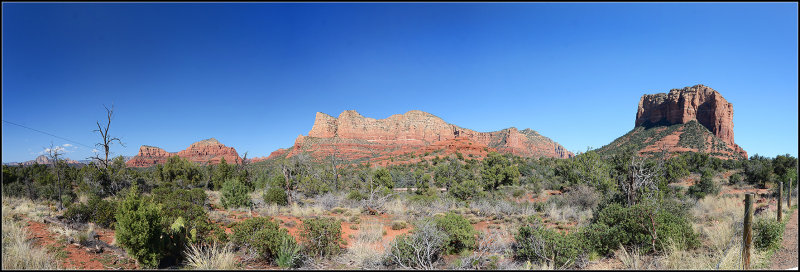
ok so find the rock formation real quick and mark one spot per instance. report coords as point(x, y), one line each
point(205, 151)
point(357, 137)
point(43, 159)
point(695, 118)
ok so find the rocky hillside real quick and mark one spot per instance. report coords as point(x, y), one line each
point(205, 151)
point(355, 137)
point(692, 119)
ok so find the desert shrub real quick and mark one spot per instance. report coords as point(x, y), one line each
point(275, 195)
point(582, 196)
point(262, 235)
point(104, 212)
point(398, 225)
point(419, 250)
point(768, 234)
point(78, 213)
point(355, 219)
point(356, 195)
point(235, 194)
point(735, 178)
point(616, 224)
point(188, 206)
point(138, 229)
point(705, 186)
point(466, 190)
point(97, 210)
point(534, 242)
point(517, 192)
point(321, 237)
point(460, 234)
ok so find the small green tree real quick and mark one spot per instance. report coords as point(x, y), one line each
point(705, 186)
point(497, 170)
point(275, 195)
point(235, 194)
point(139, 230)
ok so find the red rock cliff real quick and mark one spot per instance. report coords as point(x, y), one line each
point(680, 106)
point(205, 151)
point(356, 136)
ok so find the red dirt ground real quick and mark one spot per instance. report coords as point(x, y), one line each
point(77, 257)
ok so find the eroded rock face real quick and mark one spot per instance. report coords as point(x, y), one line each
point(149, 156)
point(680, 106)
point(205, 151)
point(700, 103)
point(355, 137)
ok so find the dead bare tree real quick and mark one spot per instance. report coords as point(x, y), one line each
point(640, 180)
point(107, 139)
point(52, 154)
point(292, 169)
point(334, 160)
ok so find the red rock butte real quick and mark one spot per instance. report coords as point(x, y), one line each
point(354, 137)
point(681, 106)
point(205, 151)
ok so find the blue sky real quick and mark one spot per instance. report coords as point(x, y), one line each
point(253, 75)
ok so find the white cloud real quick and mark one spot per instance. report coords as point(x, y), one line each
point(67, 145)
point(55, 149)
point(95, 150)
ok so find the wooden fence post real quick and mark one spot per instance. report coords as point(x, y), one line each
point(789, 194)
point(780, 201)
point(747, 238)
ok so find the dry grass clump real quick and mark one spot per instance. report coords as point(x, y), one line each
point(370, 232)
point(302, 211)
point(631, 258)
point(18, 251)
point(210, 257)
point(362, 254)
point(18, 205)
point(718, 220)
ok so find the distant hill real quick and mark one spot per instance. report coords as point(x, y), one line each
point(403, 138)
point(42, 159)
point(692, 119)
point(205, 151)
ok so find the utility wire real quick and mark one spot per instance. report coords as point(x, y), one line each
point(47, 134)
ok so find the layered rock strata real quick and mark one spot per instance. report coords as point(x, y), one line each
point(205, 151)
point(353, 137)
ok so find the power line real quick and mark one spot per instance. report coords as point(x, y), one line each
point(47, 133)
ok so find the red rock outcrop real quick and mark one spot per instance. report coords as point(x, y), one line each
point(357, 137)
point(692, 119)
point(680, 106)
point(205, 151)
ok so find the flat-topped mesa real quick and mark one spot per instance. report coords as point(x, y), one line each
point(205, 151)
point(368, 137)
point(680, 106)
point(691, 119)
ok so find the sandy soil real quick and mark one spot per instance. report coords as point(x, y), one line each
point(786, 257)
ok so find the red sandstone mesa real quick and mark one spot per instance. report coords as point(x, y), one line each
point(680, 106)
point(205, 151)
point(355, 137)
